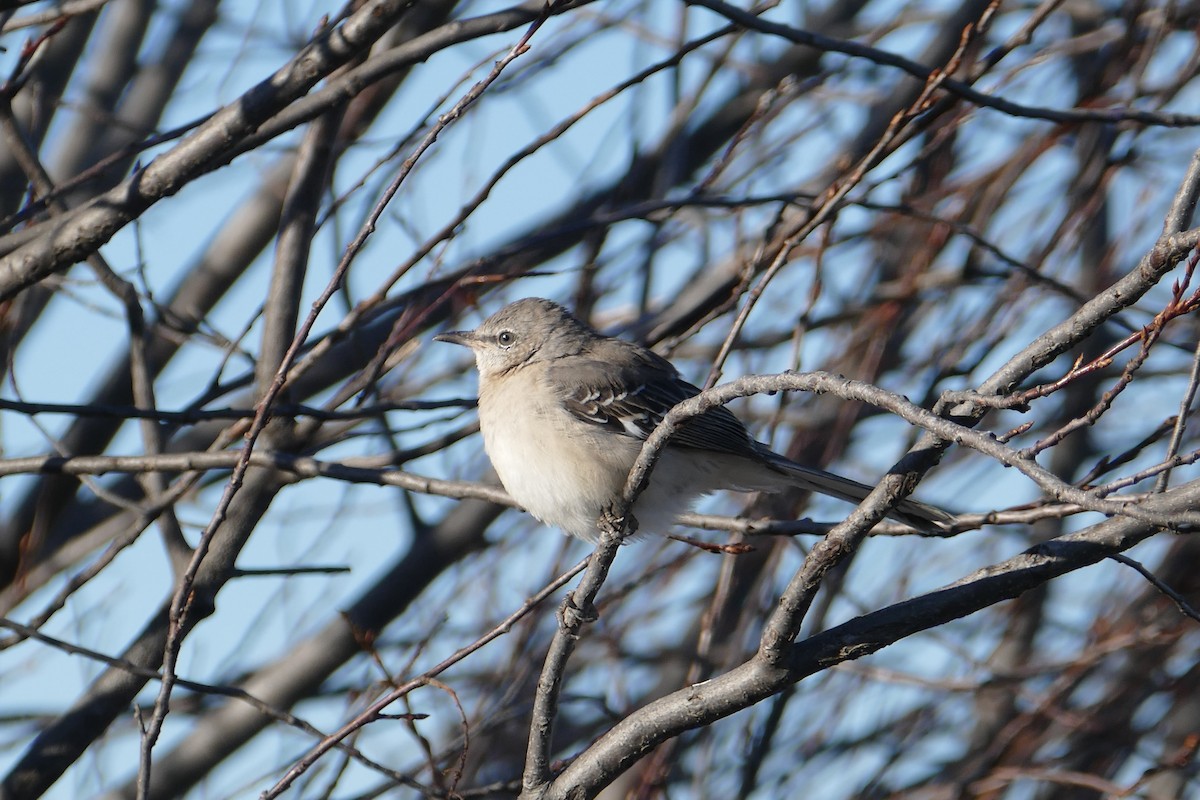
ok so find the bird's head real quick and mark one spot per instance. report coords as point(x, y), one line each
point(523, 332)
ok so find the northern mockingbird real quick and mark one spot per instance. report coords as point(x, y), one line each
point(564, 411)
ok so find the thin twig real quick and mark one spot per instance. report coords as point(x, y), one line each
point(372, 712)
point(1179, 600)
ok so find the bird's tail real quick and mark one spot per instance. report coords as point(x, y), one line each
point(919, 515)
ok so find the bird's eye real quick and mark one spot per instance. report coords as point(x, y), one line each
point(505, 338)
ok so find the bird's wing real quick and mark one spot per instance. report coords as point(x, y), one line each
point(631, 395)
point(630, 392)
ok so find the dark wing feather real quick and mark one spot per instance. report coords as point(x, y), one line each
point(629, 389)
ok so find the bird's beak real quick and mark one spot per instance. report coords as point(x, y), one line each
point(465, 338)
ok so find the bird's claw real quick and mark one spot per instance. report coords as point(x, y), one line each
point(610, 519)
point(572, 616)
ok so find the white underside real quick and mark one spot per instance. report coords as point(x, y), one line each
point(567, 473)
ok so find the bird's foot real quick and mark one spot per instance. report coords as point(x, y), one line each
point(572, 616)
point(612, 520)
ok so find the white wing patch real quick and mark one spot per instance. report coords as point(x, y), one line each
point(623, 410)
point(634, 403)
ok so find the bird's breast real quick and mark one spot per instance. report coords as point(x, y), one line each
point(563, 471)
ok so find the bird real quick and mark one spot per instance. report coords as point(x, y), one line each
point(564, 410)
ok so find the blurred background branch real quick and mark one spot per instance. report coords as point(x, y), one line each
point(986, 208)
